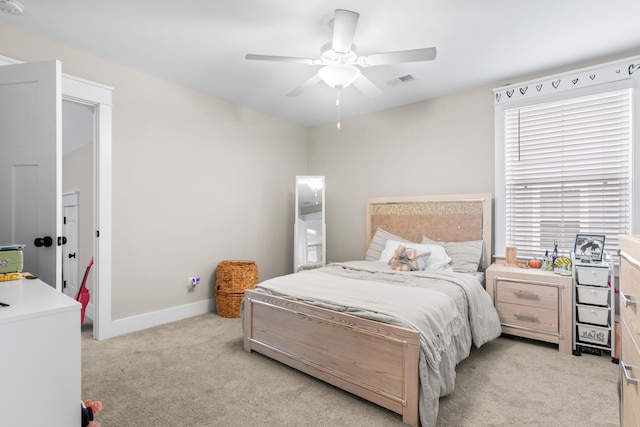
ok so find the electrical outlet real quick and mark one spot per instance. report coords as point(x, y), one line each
point(193, 282)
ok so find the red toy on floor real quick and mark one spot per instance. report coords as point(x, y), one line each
point(89, 409)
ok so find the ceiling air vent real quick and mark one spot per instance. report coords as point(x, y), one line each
point(408, 78)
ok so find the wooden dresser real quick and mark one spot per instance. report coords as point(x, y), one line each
point(630, 330)
point(532, 303)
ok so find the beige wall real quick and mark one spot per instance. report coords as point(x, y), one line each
point(434, 147)
point(440, 146)
point(196, 180)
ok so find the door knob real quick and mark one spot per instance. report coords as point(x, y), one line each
point(73, 255)
point(45, 241)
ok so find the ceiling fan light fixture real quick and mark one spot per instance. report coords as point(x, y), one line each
point(339, 76)
point(12, 7)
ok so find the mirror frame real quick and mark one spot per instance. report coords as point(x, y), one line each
point(304, 185)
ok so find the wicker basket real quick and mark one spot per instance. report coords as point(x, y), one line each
point(232, 278)
point(228, 305)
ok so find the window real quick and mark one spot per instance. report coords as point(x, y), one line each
point(567, 170)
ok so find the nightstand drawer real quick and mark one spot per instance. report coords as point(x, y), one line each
point(528, 294)
point(528, 317)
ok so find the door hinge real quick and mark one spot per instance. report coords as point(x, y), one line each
point(97, 233)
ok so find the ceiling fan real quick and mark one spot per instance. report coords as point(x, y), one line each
point(340, 62)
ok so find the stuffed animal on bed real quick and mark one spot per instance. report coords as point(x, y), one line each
point(405, 259)
point(417, 262)
point(89, 409)
point(399, 261)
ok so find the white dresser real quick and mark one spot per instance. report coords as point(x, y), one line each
point(39, 356)
point(630, 331)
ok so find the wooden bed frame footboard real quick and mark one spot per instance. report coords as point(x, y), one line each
point(373, 360)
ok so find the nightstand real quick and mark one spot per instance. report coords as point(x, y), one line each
point(532, 303)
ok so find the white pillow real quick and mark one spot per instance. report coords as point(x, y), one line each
point(377, 244)
point(438, 260)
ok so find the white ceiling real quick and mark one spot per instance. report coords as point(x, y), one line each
point(202, 43)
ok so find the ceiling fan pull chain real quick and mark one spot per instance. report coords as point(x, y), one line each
point(338, 105)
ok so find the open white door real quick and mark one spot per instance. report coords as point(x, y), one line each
point(30, 165)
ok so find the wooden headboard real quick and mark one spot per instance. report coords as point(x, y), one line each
point(448, 218)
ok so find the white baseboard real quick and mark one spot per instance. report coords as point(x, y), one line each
point(156, 318)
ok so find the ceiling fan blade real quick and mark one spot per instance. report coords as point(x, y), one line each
point(367, 87)
point(344, 28)
point(306, 85)
point(253, 57)
point(414, 55)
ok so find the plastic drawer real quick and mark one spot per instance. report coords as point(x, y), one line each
point(593, 334)
point(594, 315)
point(592, 276)
point(593, 295)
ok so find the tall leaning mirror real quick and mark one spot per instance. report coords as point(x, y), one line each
point(309, 246)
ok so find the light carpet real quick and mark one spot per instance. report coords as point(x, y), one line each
point(195, 372)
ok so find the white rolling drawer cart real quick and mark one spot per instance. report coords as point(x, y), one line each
point(593, 307)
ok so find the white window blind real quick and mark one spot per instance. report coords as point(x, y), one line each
point(568, 171)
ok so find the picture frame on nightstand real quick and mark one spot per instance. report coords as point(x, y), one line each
point(589, 247)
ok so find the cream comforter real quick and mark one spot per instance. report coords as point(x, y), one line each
point(450, 310)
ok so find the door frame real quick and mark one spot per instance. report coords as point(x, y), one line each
point(98, 96)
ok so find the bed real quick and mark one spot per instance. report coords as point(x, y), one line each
point(358, 324)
